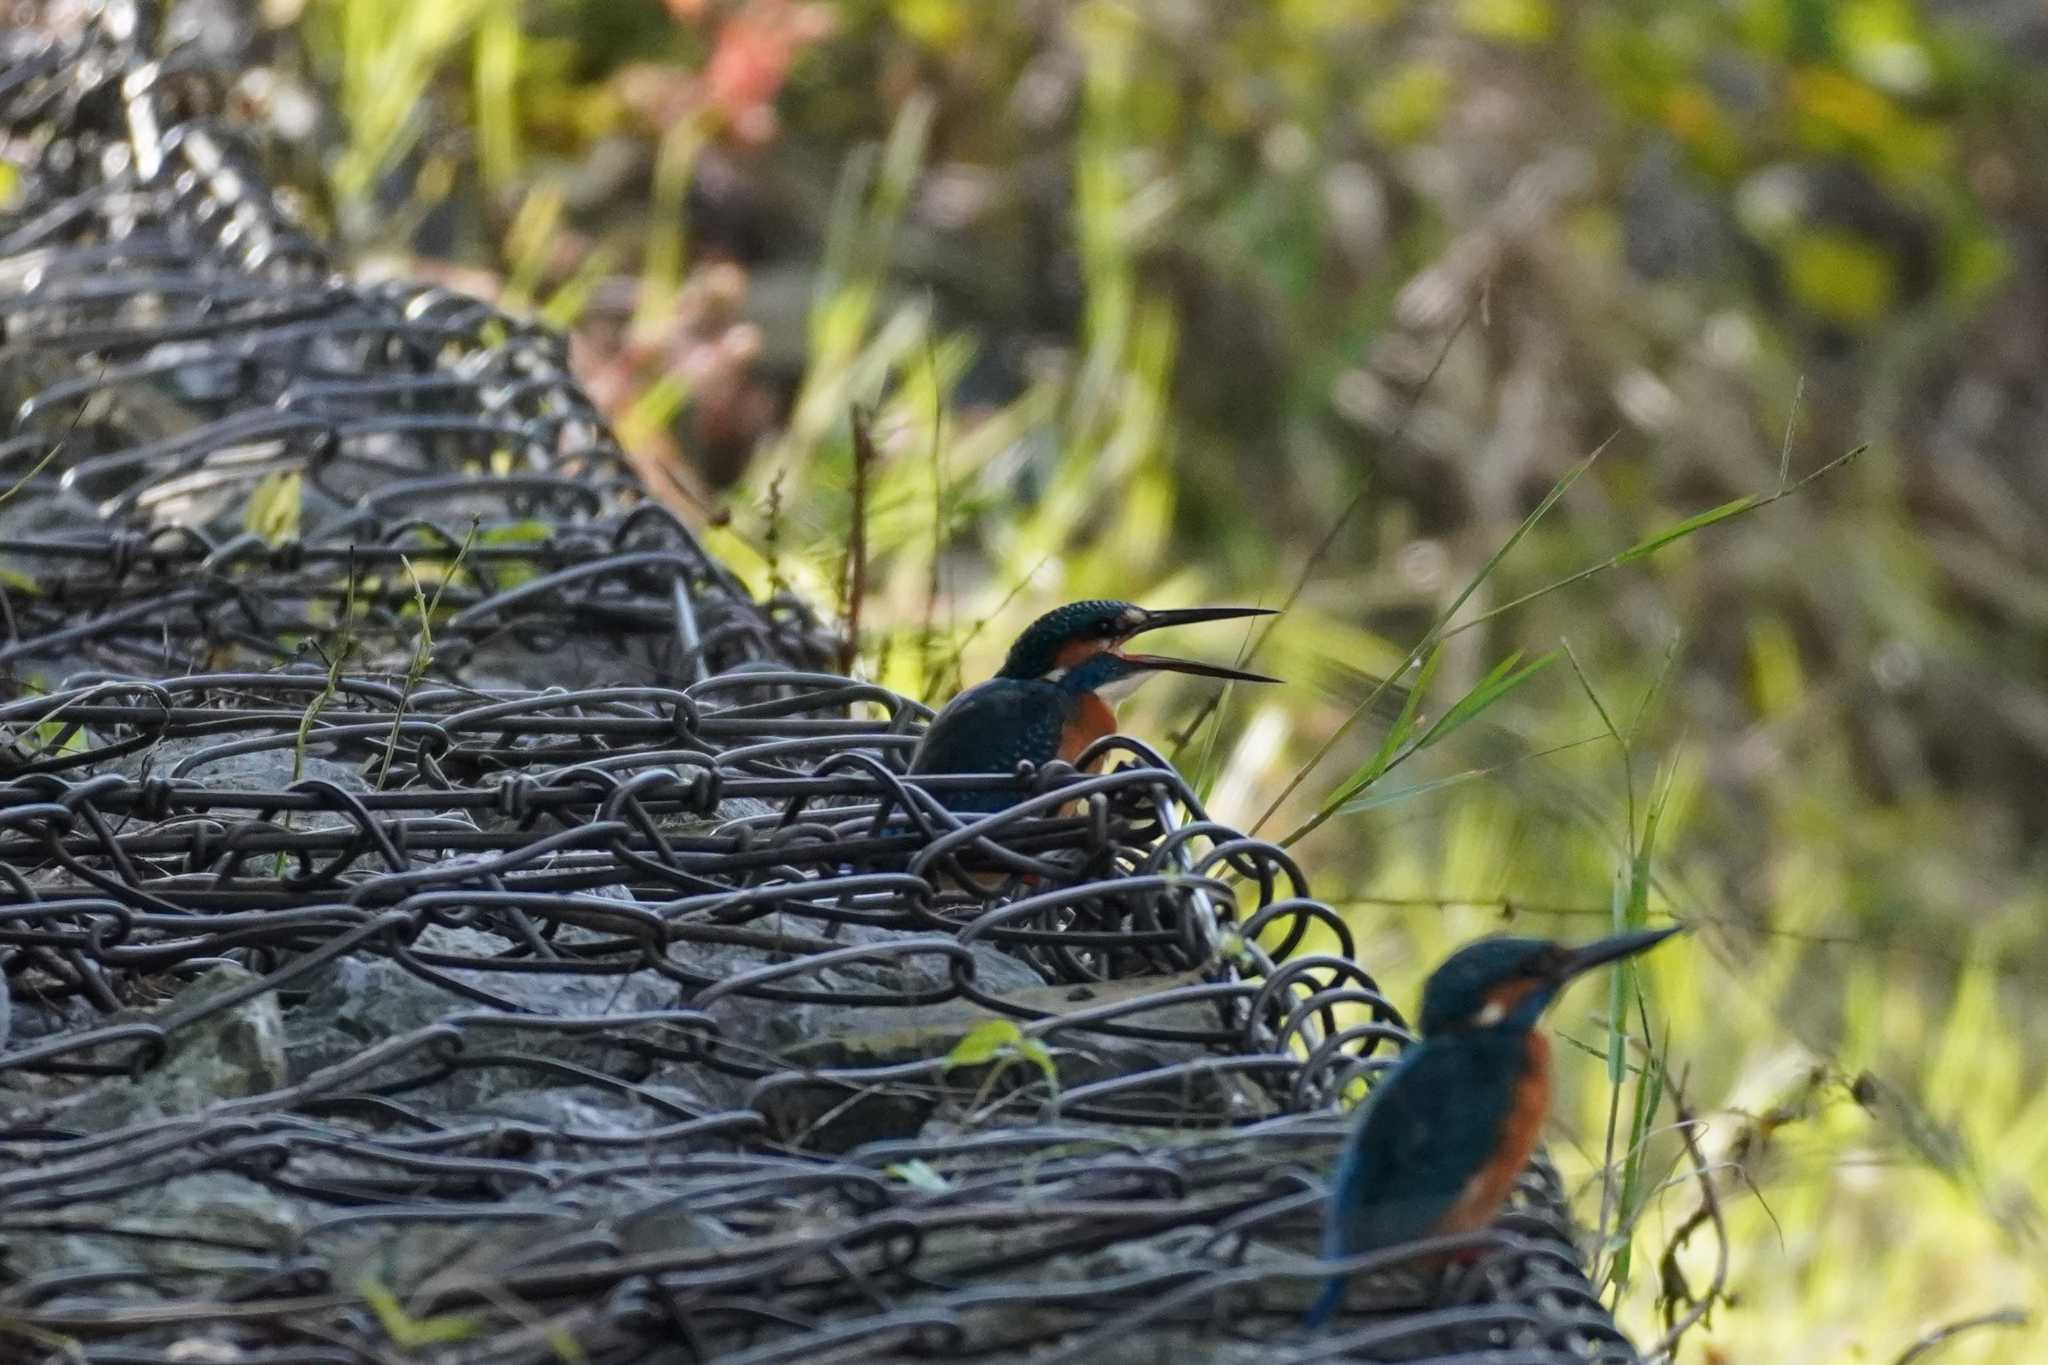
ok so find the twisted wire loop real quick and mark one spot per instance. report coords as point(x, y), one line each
point(569, 959)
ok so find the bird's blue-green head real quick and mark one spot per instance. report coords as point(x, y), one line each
point(1081, 645)
point(1506, 983)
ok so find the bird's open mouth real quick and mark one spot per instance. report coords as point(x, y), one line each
point(1188, 616)
point(1165, 664)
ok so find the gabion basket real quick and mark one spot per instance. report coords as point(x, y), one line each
point(442, 911)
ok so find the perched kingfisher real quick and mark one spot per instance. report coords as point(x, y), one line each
point(1441, 1139)
point(1055, 694)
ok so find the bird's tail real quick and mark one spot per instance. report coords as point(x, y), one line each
point(1326, 1303)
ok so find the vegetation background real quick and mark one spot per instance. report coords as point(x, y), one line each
point(1315, 303)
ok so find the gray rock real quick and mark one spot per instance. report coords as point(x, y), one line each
point(166, 1225)
point(357, 1002)
point(236, 1052)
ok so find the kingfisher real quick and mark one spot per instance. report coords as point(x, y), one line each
point(1056, 692)
point(1442, 1137)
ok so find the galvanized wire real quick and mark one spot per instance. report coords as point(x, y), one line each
point(563, 966)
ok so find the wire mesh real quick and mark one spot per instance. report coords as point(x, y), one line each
point(441, 908)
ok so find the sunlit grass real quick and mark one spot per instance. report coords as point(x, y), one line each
point(390, 52)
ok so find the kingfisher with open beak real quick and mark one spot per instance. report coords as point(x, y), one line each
point(1056, 692)
point(1442, 1138)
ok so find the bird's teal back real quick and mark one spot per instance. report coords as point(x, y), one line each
point(991, 728)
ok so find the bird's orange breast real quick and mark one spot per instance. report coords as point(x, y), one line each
point(1488, 1189)
point(1092, 719)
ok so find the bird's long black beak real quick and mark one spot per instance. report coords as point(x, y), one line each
point(1193, 616)
point(1188, 616)
point(1578, 961)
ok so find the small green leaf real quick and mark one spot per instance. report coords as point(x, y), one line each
point(14, 578)
point(406, 1331)
point(919, 1175)
point(1660, 539)
point(1039, 1055)
point(516, 533)
point(273, 510)
point(59, 736)
point(984, 1042)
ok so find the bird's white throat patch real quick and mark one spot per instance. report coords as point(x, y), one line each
point(1109, 691)
point(1123, 687)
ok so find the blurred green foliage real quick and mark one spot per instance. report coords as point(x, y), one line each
point(1189, 300)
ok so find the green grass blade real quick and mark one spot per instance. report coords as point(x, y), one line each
point(1649, 1094)
point(1397, 733)
point(1437, 632)
point(1493, 688)
point(1592, 695)
point(1373, 800)
point(565, 307)
point(1724, 512)
point(1650, 544)
point(496, 76)
point(1497, 684)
